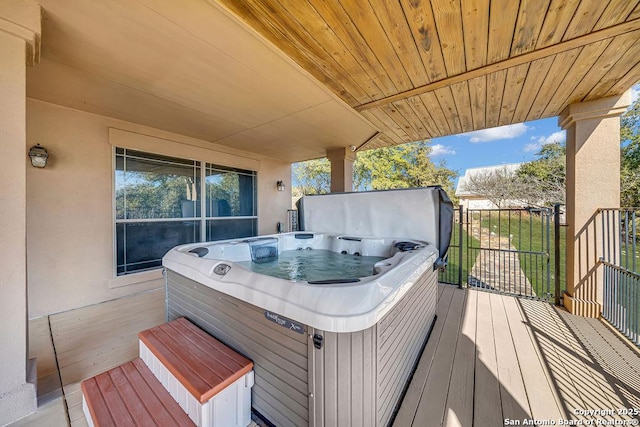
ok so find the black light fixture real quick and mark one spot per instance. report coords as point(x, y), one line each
point(280, 185)
point(38, 156)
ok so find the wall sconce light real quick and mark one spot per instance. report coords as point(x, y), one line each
point(38, 156)
point(280, 185)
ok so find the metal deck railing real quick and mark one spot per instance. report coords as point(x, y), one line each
point(621, 300)
point(621, 263)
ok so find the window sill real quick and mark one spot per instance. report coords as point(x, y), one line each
point(136, 278)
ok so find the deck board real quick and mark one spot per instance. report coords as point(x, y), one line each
point(50, 413)
point(459, 409)
point(493, 357)
point(512, 391)
point(488, 410)
point(432, 404)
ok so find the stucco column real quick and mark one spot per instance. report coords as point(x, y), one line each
point(19, 46)
point(341, 169)
point(593, 181)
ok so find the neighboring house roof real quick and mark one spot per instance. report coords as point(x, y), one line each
point(461, 190)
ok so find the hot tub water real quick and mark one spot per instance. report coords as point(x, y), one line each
point(314, 265)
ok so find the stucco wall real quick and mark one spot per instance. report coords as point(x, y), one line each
point(70, 230)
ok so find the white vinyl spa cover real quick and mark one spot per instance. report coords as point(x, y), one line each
point(418, 213)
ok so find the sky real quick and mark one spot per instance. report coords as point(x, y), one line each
point(506, 144)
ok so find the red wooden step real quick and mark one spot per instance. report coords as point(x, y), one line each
point(203, 365)
point(131, 395)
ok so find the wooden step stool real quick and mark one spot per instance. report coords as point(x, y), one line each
point(127, 393)
point(210, 381)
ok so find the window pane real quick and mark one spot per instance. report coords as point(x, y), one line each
point(141, 245)
point(231, 228)
point(120, 185)
point(154, 187)
point(230, 192)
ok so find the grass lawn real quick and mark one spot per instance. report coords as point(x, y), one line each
point(629, 259)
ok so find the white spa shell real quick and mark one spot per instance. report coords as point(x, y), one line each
point(341, 307)
point(406, 215)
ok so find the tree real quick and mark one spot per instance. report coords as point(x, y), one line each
point(400, 166)
point(543, 180)
point(501, 186)
point(152, 195)
point(311, 177)
point(630, 156)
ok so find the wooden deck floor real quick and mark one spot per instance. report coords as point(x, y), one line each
point(79, 344)
point(489, 357)
point(492, 357)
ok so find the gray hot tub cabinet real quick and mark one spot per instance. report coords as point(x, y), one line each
point(321, 378)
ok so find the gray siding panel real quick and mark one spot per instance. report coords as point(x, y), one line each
point(348, 372)
point(316, 385)
point(397, 387)
point(416, 313)
point(345, 354)
point(280, 411)
point(370, 367)
point(280, 356)
point(401, 335)
point(356, 379)
point(330, 350)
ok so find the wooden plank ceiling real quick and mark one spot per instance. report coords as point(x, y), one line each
point(420, 69)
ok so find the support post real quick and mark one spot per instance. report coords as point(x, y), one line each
point(556, 251)
point(341, 169)
point(593, 181)
point(19, 47)
point(460, 240)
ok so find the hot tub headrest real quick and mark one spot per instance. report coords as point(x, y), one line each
point(407, 246)
point(199, 251)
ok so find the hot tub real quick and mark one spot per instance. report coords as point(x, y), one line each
point(328, 348)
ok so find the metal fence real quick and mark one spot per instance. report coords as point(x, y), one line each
point(620, 237)
point(456, 262)
point(621, 263)
point(510, 251)
point(621, 300)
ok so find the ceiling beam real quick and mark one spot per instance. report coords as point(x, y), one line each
point(577, 42)
point(368, 141)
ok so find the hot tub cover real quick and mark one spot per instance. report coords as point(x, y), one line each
point(424, 213)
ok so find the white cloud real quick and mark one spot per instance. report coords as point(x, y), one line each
point(440, 150)
point(559, 136)
point(494, 134)
point(534, 146)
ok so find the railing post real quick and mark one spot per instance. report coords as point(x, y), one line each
point(460, 246)
point(556, 248)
